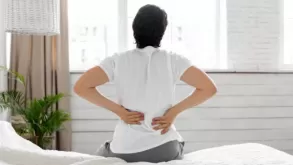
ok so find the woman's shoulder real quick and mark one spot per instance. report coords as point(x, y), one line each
point(118, 55)
point(125, 53)
point(134, 52)
point(170, 54)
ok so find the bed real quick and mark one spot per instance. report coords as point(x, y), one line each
point(14, 150)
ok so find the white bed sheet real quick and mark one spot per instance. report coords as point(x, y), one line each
point(15, 150)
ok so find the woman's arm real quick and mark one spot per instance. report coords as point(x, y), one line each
point(205, 89)
point(85, 87)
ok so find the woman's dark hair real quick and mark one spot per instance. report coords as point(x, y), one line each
point(149, 26)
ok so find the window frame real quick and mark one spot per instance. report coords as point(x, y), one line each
point(282, 66)
point(122, 22)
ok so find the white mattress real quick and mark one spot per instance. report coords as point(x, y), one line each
point(15, 150)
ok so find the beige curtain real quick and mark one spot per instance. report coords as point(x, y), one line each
point(43, 60)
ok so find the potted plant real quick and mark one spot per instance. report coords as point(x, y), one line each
point(41, 117)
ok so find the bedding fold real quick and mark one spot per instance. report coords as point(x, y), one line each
point(14, 150)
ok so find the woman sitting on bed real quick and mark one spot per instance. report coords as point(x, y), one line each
point(145, 80)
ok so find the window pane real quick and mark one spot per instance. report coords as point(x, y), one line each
point(192, 29)
point(92, 31)
point(288, 32)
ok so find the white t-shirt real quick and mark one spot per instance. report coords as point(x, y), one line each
point(145, 82)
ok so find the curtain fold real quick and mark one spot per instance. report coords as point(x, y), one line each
point(44, 61)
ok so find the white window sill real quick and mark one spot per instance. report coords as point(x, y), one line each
point(283, 71)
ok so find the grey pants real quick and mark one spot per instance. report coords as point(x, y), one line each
point(172, 150)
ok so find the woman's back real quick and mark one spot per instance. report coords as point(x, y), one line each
point(145, 82)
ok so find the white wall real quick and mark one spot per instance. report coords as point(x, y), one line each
point(3, 83)
point(254, 34)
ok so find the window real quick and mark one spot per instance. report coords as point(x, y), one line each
point(92, 31)
point(98, 29)
point(288, 32)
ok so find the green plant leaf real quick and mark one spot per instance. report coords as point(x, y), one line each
point(51, 100)
point(13, 100)
point(42, 116)
point(19, 77)
point(55, 121)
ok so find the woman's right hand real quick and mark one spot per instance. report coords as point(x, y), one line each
point(130, 117)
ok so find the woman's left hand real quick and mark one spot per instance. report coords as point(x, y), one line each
point(165, 122)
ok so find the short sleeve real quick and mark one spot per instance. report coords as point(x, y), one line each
point(108, 66)
point(179, 65)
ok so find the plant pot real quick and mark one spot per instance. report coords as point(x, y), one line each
point(5, 114)
point(45, 142)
